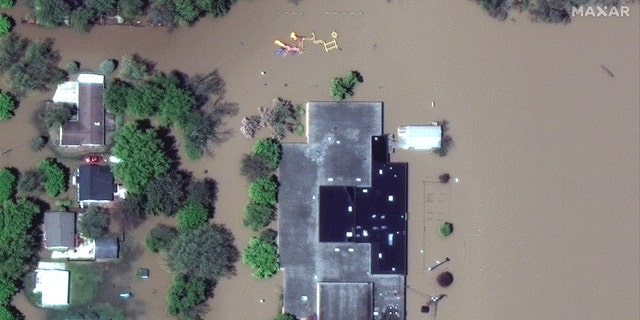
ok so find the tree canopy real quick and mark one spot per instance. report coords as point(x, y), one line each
point(31, 65)
point(207, 252)
point(115, 96)
point(269, 151)
point(264, 190)
point(5, 4)
point(166, 194)
point(253, 168)
point(134, 68)
point(185, 294)
point(262, 256)
point(60, 114)
point(94, 222)
point(7, 105)
point(51, 13)
point(193, 216)
point(161, 237)
point(142, 157)
point(54, 176)
point(286, 316)
point(5, 24)
point(258, 215)
point(7, 184)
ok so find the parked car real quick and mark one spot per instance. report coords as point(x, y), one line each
point(92, 159)
point(126, 295)
point(143, 273)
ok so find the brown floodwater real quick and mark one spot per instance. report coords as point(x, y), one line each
point(546, 145)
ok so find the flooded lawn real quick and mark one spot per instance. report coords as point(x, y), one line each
point(546, 147)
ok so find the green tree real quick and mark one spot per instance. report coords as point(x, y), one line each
point(107, 66)
point(342, 87)
point(9, 313)
point(7, 289)
point(12, 49)
point(185, 294)
point(262, 257)
point(7, 184)
point(143, 100)
point(166, 194)
point(133, 68)
point(142, 157)
point(30, 181)
point(115, 96)
point(199, 130)
point(131, 9)
point(186, 11)
point(258, 215)
point(101, 7)
point(446, 228)
point(192, 217)
point(94, 222)
point(37, 68)
point(215, 8)
point(204, 192)
point(5, 24)
point(161, 237)
point(253, 167)
point(176, 102)
point(264, 190)
point(207, 252)
point(269, 151)
point(7, 105)
point(54, 176)
point(51, 13)
point(5, 4)
point(81, 19)
point(286, 316)
point(59, 114)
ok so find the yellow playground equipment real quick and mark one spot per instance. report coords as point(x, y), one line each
point(328, 46)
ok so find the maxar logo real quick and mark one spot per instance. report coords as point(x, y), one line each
point(598, 11)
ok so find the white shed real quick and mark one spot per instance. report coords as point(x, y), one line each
point(420, 137)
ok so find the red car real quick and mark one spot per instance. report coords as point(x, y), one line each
point(92, 158)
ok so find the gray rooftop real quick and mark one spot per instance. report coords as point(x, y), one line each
point(338, 153)
point(60, 230)
point(353, 301)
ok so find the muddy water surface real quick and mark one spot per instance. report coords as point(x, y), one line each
point(546, 150)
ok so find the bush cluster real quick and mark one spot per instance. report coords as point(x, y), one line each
point(341, 88)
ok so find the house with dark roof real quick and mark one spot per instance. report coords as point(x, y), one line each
point(106, 248)
point(95, 185)
point(87, 127)
point(59, 230)
point(342, 217)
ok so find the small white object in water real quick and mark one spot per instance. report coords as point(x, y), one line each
point(457, 180)
point(263, 73)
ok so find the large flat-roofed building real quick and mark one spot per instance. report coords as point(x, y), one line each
point(343, 217)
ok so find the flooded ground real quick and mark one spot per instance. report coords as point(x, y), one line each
point(546, 149)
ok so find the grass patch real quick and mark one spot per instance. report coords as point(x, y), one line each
point(85, 280)
point(446, 229)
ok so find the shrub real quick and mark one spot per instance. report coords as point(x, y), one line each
point(253, 168)
point(5, 4)
point(258, 215)
point(262, 257)
point(7, 184)
point(131, 9)
point(264, 191)
point(115, 96)
point(446, 229)
point(286, 316)
point(72, 67)
point(30, 181)
point(160, 237)
point(59, 114)
point(38, 143)
point(54, 176)
point(51, 13)
point(342, 87)
point(5, 24)
point(7, 106)
point(444, 178)
point(185, 294)
point(134, 68)
point(193, 216)
point(81, 18)
point(107, 66)
point(269, 151)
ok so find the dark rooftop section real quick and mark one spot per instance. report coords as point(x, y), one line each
point(106, 248)
point(95, 183)
point(60, 230)
point(89, 128)
point(325, 273)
